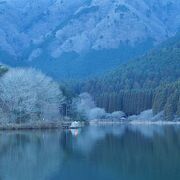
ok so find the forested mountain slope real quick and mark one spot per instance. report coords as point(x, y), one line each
point(132, 87)
point(167, 98)
point(66, 38)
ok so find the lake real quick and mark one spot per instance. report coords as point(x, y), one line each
point(121, 152)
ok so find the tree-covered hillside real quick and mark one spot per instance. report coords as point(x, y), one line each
point(167, 98)
point(132, 87)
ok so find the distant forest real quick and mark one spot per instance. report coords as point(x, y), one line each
point(148, 82)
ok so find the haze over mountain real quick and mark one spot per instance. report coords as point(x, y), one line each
point(66, 38)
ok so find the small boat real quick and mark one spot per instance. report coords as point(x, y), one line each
point(75, 125)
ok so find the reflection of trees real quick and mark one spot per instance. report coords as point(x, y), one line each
point(69, 145)
point(127, 152)
point(32, 155)
point(134, 156)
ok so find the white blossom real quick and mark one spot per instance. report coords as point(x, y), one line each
point(27, 94)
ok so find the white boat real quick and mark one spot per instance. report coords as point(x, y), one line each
point(75, 124)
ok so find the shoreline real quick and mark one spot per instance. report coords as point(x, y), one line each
point(135, 122)
point(67, 124)
point(155, 122)
point(36, 126)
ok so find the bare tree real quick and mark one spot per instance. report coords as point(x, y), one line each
point(29, 95)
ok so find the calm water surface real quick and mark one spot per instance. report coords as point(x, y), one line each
point(92, 153)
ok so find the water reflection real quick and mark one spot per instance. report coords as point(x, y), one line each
point(75, 132)
point(30, 155)
point(109, 152)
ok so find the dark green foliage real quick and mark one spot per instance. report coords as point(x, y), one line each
point(168, 112)
point(167, 98)
point(178, 108)
point(3, 70)
point(66, 108)
point(131, 102)
point(159, 101)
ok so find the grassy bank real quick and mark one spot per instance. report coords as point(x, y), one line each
point(36, 125)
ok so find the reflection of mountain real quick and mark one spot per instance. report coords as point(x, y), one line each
point(69, 38)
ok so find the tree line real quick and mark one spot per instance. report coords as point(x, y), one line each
point(134, 87)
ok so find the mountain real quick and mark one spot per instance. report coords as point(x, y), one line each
point(140, 84)
point(66, 38)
